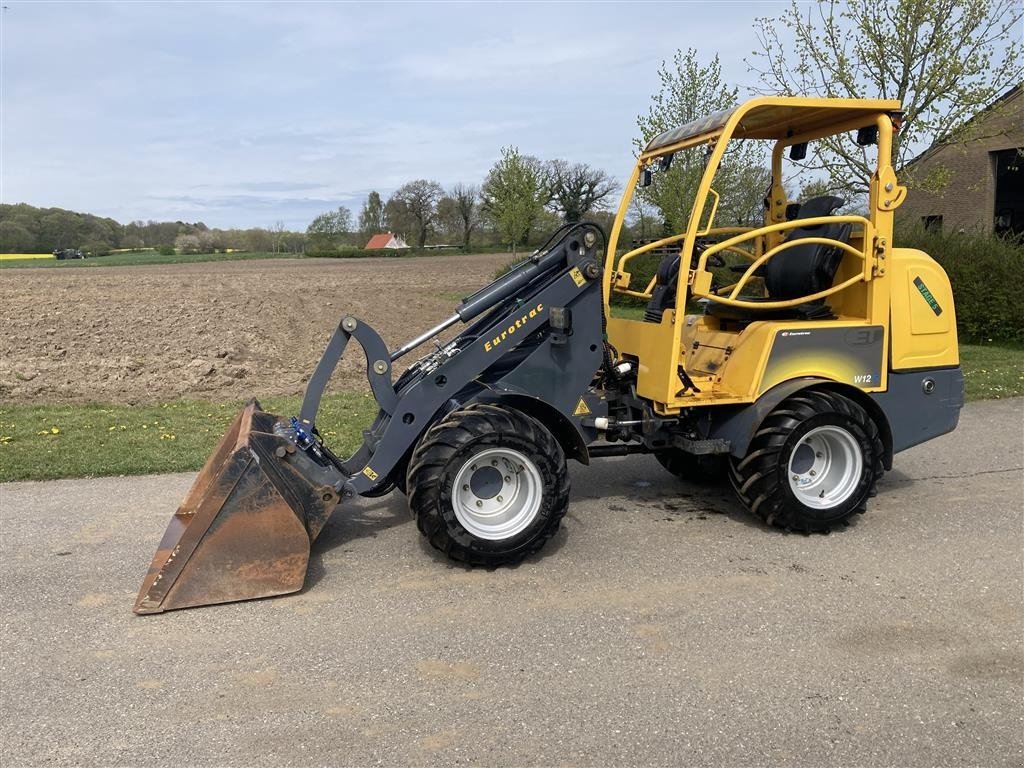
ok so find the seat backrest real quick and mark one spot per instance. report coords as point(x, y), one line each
point(664, 294)
point(805, 269)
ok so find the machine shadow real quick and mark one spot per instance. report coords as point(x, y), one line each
point(363, 519)
point(651, 489)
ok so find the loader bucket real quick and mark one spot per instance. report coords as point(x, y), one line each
point(245, 527)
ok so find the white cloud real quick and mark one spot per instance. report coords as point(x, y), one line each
point(245, 113)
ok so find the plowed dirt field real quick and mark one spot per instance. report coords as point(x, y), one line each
point(212, 331)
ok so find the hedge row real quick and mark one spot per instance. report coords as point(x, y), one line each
point(360, 253)
point(987, 276)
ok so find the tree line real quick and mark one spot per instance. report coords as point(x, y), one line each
point(520, 199)
point(28, 229)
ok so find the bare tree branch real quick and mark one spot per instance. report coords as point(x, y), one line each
point(945, 60)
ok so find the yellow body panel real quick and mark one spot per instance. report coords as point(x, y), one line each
point(923, 330)
point(738, 367)
point(734, 360)
point(652, 347)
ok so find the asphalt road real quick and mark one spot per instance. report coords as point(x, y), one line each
point(661, 627)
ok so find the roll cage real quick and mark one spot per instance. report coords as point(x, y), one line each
point(787, 122)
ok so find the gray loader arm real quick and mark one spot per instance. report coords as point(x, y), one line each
point(536, 340)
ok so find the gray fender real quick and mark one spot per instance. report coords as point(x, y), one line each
point(565, 430)
point(740, 425)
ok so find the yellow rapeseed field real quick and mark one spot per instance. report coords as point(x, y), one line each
point(12, 256)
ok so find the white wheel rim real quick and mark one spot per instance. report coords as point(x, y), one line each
point(825, 467)
point(497, 494)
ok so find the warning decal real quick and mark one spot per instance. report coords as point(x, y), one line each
point(581, 409)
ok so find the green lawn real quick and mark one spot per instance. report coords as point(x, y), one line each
point(992, 372)
point(142, 258)
point(44, 442)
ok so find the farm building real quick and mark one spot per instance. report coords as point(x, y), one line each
point(385, 240)
point(983, 178)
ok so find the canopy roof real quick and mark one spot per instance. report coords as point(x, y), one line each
point(776, 117)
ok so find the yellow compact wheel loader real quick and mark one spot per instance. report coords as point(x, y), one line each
point(795, 357)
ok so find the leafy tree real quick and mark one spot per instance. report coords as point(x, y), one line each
point(258, 239)
point(398, 221)
point(325, 231)
point(449, 225)
point(577, 188)
point(211, 241)
point(945, 60)
point(514, 195)
point(641, 215)
point(168, 230)
point(278, 230)
point(132, 242)
point(60, 228)
point(414, 207)
point(295, 242)
point(187, 244)
point(459, 212)
point(691, 90)
point(15, 238)
point(547, 221)
point(371, 217)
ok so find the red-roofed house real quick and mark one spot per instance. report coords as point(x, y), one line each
point(385, 240)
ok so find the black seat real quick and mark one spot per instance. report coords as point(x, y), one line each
point(664, 294)
point(798, 271)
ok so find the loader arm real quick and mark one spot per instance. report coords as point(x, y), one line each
point(536, 331)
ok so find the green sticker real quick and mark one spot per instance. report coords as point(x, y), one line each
point(927, 295)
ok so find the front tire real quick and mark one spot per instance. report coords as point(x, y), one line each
point(812, 464)
point(488, 485)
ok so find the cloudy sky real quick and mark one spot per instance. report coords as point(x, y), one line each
point(244, 114)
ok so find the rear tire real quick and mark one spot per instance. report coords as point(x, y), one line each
point(706, 469)
point(812, 464)
point(488, 485)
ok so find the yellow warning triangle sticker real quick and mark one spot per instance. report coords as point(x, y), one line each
point(581, 409)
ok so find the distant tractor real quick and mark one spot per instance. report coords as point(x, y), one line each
point(61, 254)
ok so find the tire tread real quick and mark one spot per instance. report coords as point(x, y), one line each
point(756, 477)
point(479, 422)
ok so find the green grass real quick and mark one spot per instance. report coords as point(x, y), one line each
point(142, 258)
point(98, 440)
point(992, 372)
point(45, 442)
point(627, 312)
